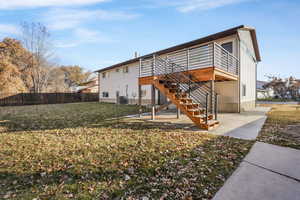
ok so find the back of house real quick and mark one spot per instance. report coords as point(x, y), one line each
point(224, 63)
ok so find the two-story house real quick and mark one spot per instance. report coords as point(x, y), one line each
point(212, 74)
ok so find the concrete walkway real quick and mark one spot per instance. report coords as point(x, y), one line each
point(268, 172)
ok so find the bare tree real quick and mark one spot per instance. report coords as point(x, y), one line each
point(287, 88)
point(36, 39)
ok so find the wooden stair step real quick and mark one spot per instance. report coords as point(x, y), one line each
point(190, 104)
point(186, 99)
point(174, 90)
point(171, 86)
point(200, 116)
point(193, 109)
point(212, 122)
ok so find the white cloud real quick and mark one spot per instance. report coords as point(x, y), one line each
point(192, 5)
point(59, 19)
point(17, 4)
point(9, 29)
point(83, 36)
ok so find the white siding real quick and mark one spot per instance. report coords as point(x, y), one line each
point(125, 83)
point(248, 70)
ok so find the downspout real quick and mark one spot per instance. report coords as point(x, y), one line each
point(255, 83)
point(239, 77)
point(99, 87)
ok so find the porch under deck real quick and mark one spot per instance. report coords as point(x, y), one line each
point(245, 125)
point(203, 74)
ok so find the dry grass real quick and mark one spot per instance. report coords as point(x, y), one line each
point(282, 126)
point(72, 151)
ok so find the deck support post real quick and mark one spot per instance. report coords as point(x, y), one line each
point(178, 113)
point(140, 100)
point(152, 102)
point(140, 89)
point(212, 92)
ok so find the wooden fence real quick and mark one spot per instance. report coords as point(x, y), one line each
point(45, 98)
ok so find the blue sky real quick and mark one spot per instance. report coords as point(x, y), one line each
point(98, 33)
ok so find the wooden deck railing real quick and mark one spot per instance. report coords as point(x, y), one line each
point(209, 55)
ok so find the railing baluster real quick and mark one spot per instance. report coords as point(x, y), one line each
point(154, 65)
point(187, 59)
point(216, 107)
point(213, 61)
point(140, 68)
point(206, 109)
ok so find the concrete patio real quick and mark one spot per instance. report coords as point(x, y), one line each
point(245, 125)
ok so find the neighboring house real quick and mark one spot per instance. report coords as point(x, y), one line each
point(263, 92)
point(224, 63)
point(91, 86)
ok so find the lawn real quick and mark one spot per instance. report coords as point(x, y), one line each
point(76, 151)
point(282, 126)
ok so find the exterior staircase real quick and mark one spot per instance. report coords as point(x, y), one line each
point(191, 97)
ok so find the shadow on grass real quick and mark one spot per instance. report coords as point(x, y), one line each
point(144, 124)
point(181, 174)
point(60, 116)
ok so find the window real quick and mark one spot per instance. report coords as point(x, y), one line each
point(244, 90)
point(105, 94)
point(104, 75)
point(125, 69)
point(117, 70)
point(228, 46)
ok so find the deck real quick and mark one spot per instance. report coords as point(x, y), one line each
point(207, 62)
point(203, 74)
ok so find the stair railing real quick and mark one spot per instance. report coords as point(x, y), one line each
point(184, 80)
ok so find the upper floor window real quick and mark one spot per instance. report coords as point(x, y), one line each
point(125, 69)
point(104, 75)
point(228, 46)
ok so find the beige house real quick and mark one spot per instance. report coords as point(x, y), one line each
point(216, 73)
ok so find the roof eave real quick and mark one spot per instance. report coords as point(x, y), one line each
point(212, 37)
